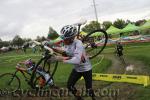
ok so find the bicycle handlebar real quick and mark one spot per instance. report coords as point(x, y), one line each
point(46, 47)
point(51, 50)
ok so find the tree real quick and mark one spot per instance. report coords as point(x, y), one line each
point(128, 21)
point(17, 41)
point(4, 43)
point(93, 25)
point(120, 23)
point(40, 39)
point(52, 34)
point(140, 22)
point(27, 39)
point(1, 43)
point(106, 25)
point(43, 38)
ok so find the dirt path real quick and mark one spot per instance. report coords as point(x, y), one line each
point(126, 91)
point(117, 67)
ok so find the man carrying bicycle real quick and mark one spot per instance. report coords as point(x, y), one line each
point(74, 53)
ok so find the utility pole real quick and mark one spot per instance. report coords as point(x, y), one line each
point(94, 5)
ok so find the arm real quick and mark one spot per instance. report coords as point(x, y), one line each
point(76, 59)
point(60, 51)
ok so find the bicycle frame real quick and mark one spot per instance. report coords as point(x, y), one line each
point(23, 72)
point(32, 75)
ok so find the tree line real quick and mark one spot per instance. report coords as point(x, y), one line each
point(93, 25)
point(17, 41)
point(119, 23)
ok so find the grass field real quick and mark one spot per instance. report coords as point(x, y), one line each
point(136, 54)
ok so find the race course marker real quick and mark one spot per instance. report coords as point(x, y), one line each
point(136, 79)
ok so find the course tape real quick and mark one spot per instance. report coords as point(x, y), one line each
point(136, 79)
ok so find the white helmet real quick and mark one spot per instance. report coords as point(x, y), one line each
point(68, 32)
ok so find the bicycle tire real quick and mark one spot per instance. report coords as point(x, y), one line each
point(98, 50)
point(10, 82)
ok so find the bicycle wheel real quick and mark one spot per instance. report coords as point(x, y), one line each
point(9, 81)
point(95, 42)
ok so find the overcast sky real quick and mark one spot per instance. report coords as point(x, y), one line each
point(29, 18)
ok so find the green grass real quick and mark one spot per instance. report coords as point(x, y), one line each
point(9, 60)
point(102, 67)
point(142, 54)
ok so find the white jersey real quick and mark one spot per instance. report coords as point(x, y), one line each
point(78, 56)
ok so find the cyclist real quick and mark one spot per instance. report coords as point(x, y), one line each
point(119, 52)
point(74, 53)
point(119, 49)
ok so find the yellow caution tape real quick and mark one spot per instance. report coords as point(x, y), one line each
point(137, 79)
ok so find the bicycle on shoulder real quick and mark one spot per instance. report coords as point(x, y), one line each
point(94, 42)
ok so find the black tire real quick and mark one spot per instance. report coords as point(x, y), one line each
point(9, 81)
point(93, 51)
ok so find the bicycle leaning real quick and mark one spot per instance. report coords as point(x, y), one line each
point(35, 75)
